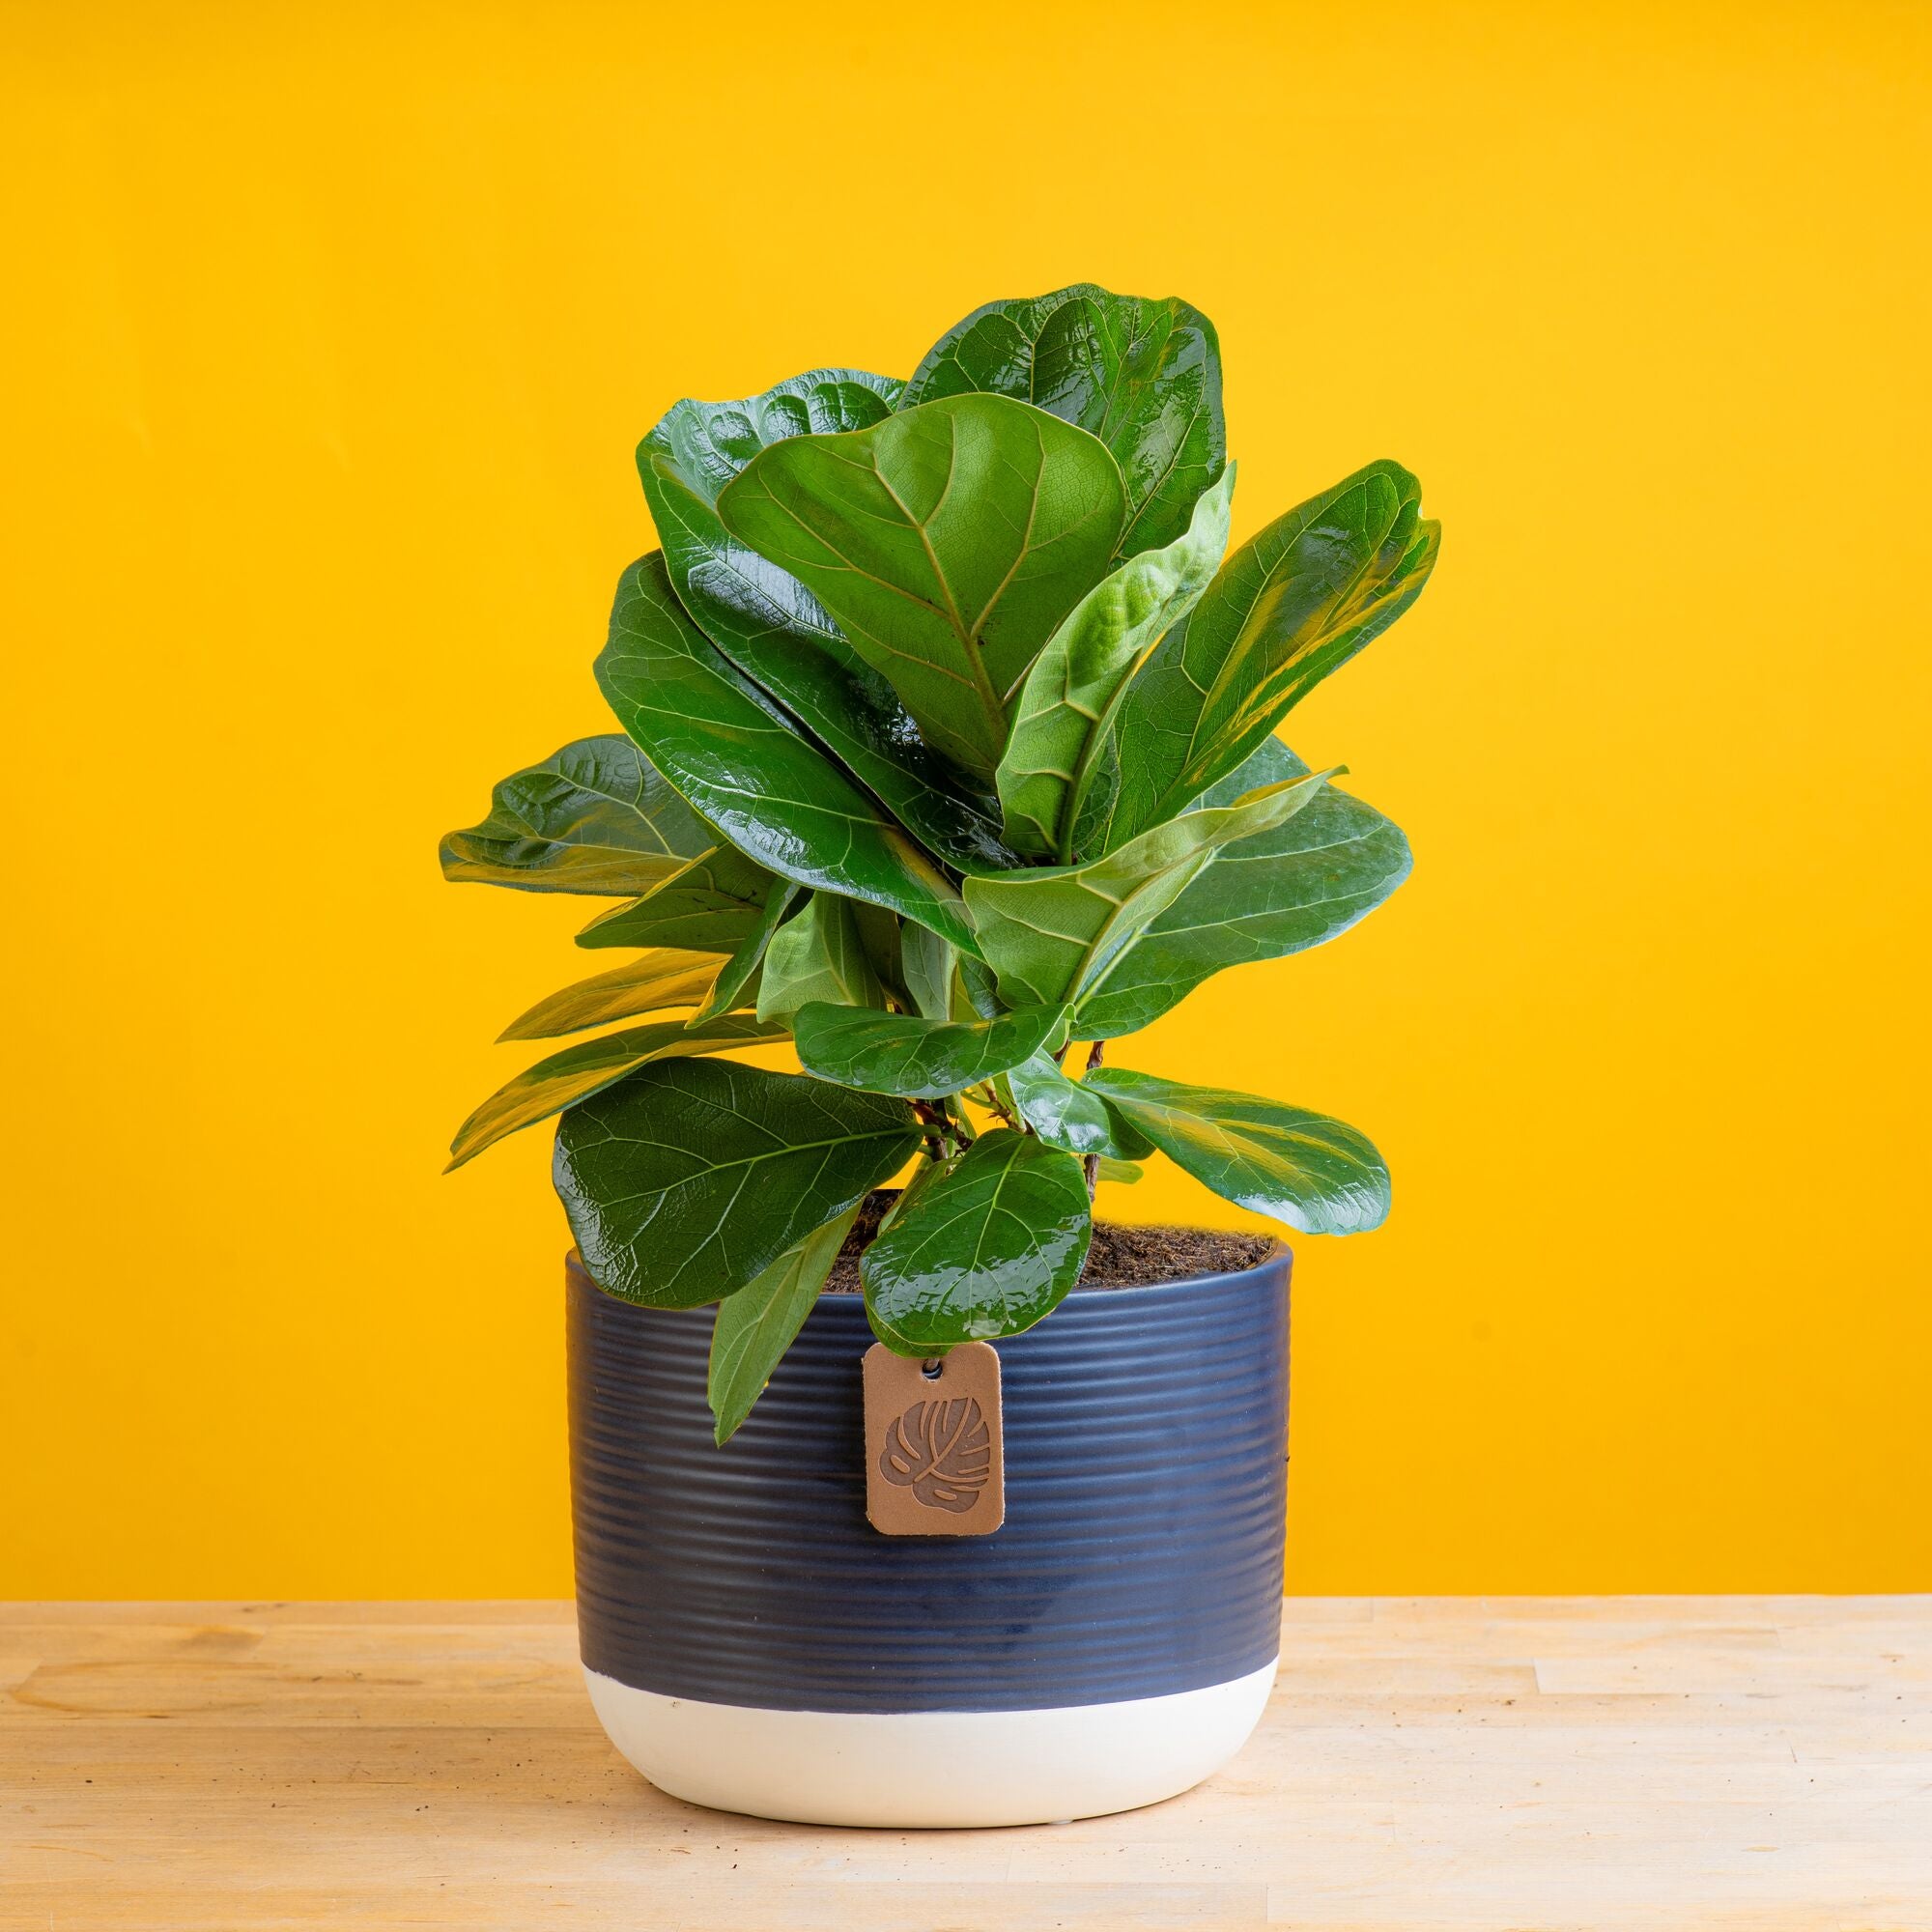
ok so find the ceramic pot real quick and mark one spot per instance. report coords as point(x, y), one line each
point(752, 1643)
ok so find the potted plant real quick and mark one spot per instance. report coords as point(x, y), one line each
point(948, 756)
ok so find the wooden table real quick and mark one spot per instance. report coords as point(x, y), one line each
point(1721, 1762)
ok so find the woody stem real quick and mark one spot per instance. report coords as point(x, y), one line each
point(1095, 1054)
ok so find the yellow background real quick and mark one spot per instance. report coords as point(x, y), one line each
point(331, 332)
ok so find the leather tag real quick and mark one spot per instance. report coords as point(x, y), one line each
point(933, 1461)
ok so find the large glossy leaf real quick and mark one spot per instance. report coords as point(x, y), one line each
point(989, 1247)
point(589, 1067)
point(1289, 607)
point(1052, 933)
point(1330, 864)
point(740, 970)
point(1142, 374)
point(713, 905)
point(756, 1325)
point(1069, 1114)
point(688, 1179)
point(669, 977)
point(696, 449)
point(920, 1059)
point(735, 595)
point(734, 756)
point(1313, 1174)
point(1066, 709)
point(774, 630)
point(594, 817)
point(818, 955)
point(948, 541)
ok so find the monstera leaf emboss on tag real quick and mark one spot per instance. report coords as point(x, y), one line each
point(934, 1462)
point(942, 1451)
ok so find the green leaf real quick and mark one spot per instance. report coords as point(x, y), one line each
point(1053, 932)
point(1289, 607)
point(696, 449)
point(756, 1325)
point(1122, 1173)
point(879, 934)
point(571, 1076)
point(685, 1182)
point(1142, 375)
point(774, 630)
point(818, 955)
point(713, 905)
point(737, 761)
point(1282, 892)
point(928, 963)
point(737, 972)
point(976, 991)
point(711, 443)
point(1069, 1114)
point(989, 1247)
point(668, 978)
point(1066, 706)
point(948, 541)
point(919, 1059)
point(1308, 1171)
point(594, 817)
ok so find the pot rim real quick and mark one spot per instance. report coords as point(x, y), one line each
point(1279, 1254)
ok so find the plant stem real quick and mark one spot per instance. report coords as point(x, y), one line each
point(942, 1137)
point(989, 1096)
point(1095, 1054)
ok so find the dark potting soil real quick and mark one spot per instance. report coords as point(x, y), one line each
point(1121, 1257)
point(1130, 1256)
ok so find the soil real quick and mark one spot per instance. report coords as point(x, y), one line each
point(1130, 1256)
point(1121, 1257)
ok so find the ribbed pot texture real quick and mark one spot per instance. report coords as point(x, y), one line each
point(1141, 1556)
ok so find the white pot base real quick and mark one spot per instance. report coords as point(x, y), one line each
point(931, 1768)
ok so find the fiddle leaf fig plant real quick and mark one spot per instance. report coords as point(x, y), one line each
point(947, 757)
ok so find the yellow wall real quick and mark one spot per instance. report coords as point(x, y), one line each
point(332, 336)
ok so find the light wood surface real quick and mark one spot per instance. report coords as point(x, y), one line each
point(1720, 1762)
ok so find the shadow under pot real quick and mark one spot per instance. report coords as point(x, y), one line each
point(752, 1643)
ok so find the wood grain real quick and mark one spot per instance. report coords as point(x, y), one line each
point(1734, 1763)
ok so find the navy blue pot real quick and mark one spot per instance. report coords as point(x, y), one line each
point(753, 1642)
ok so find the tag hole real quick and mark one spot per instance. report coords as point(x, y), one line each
point(930, 1368)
